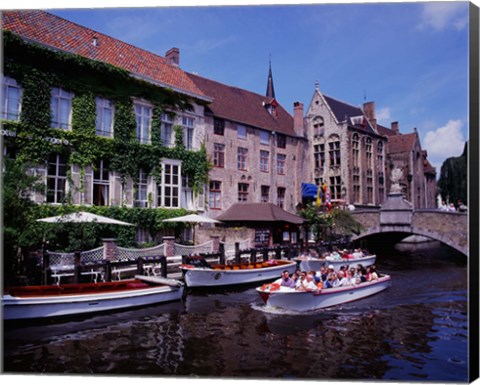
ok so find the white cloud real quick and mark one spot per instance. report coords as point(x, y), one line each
point(383, 114)
point(444, 142)
point(443, 15)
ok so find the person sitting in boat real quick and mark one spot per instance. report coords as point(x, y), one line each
point(347, 255)
point(358, 253)
point(332, 281)
point(308, 284)
point(342, 279)
point(301, 278)
point(371, 273)
point(361, 275)
point(285, 280)
point(323, 273)
point(316, 278)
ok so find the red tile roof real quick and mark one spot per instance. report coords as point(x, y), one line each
point(401, 143)
point(385, 131)
point(258, 212)
point(55, 32)
point(241, 106)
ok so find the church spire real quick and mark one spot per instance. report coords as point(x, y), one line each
point(270, 89)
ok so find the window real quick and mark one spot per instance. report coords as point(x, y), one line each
point(188, 128)
point(241, 131)
point(281, 197)
point(143, 115)
point(140, 196)
point(381, 187)
point(355, 150)
point(369, 186)
point(318, 124)
point(356, 188)
point(380, 154)
point(264, 155)
point(319, 155)
point(61, 109)
point(265, 194)
point(166, 130)
point(264, 137)
point(243, 192)
point(281, 141)
point(336, 187)
point(218, 155)
point(105, 113)
point(101, 184)
point(168, 192)
point(219, 126)
point(334, 151)
point(215, 195)
point(242, 154)
point(11, 99)
point(281, 164)
point(56, 178)
point(368, 151)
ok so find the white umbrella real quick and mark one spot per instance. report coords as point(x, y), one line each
point(83, 217)
point(194, 219)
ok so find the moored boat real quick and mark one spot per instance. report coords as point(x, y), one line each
point(315, 264)
point(25, 302)
point(236, 274)
point(302, 301)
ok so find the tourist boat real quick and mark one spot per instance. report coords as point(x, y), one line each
point(25, 302)
point(294, 300)
point(236, 274)
point(311, 263)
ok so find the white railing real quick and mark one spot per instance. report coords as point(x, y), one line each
point(206, 247)
point(125, 254)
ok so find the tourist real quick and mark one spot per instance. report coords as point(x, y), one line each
point(316, 278)
point(371, 274)
point(285, 280)
point(452, 208)
point(358, 254)
point(342, 279)
point(308, 283)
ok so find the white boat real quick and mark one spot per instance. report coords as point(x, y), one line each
point(303, 301)
point(311, 263)
point(25, 302)
point(236, 274)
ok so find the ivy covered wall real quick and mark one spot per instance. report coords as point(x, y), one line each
point(38, 69)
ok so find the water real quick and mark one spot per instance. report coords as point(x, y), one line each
point(416, 330)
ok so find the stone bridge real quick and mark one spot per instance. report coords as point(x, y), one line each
point(399, 220)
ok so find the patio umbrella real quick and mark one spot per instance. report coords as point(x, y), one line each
point(83, 217)
point(194, 219)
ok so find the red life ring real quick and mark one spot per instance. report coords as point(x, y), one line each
point(270, 287)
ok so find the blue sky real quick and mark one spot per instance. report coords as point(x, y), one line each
point(410, 58)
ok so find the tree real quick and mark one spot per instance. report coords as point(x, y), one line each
point(452, 184)
point(18, 209)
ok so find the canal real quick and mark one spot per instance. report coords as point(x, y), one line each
point(416, 330)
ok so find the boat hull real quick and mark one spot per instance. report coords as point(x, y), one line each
point(309, 264)
point(16, 308)
point(207, 277)
point(304, 301)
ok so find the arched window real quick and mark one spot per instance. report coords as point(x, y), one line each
point(369, 153)
point(318, 125)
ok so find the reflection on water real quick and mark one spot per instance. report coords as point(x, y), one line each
point(415, 330)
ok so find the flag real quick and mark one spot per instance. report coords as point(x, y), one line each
point(319, 198)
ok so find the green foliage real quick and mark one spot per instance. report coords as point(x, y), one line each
point(453, 181)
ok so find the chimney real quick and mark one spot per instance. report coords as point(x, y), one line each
point(298, 118)
point(395, 128)
point(369, 110)
point(173, 56)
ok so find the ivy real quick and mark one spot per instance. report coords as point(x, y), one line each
point(38, 69)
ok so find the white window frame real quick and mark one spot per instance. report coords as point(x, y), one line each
point(105, 107)
point(103, 183)
point(58, 179)
point(188, 124)
point(166, 130)
point(143, 118)
point(140, 198)
point(8, 85)
point(168, 183)
point(59, 101)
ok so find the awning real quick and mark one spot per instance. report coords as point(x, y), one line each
point(258, 212)
point(309, 190)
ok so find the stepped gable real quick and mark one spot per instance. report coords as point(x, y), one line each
point(258, 212)
point(242, 106)
point(57, 33)
point(343, 110)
